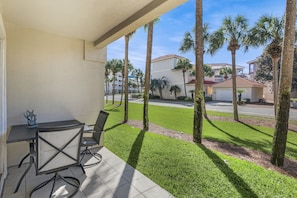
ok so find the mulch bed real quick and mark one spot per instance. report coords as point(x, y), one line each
point(257, 157)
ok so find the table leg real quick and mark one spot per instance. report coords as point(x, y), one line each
point(30, 164)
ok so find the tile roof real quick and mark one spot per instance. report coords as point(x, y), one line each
point(206, 82)
point(240, 82)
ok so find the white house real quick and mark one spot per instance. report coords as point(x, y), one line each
point(251, 90)
point(216, 67)
point(52, 57)
point(164, 66)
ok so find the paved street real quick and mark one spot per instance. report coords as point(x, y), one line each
point(260, 110)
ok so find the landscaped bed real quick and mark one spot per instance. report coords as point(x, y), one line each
point(188, 170)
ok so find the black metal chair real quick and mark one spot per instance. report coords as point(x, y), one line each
point(57, 149)
point(96, 131)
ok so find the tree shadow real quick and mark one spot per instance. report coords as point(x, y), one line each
point(241, 186)
point(253, 128)
point(112, 127)
point(128, 172)
point(251, 144)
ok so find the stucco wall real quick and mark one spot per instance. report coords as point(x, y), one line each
point(59, 77)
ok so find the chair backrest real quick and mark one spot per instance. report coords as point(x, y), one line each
point(99, 125)
point(58, 148)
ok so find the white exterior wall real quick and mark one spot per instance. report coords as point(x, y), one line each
point(59, 77)
point(225, 94)
point(175, 77)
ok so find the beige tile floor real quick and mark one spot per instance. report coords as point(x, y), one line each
point(111, 178)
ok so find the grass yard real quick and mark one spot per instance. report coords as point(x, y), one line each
point(188, 170)
point(181, 119)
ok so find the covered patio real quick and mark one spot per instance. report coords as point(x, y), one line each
point(111, 178)
point(52, 57)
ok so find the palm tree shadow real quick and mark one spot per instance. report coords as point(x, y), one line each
point(128, 172)
point(241, 186)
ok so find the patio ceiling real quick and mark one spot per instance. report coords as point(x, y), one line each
point(98, 21)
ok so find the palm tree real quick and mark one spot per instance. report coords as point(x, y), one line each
point(188, 43)
point(225, 71)
point(269, 31)
point(141, 80)
point(174, 89)
point(283, 107)
point(208, 70)
point(150, 27)
point(137, 73)
point(199, 96)
point(107, 80)
point(234, 32)
point(153, 85)
point(127, 38)
point(184, 65)
point(160, 84)
point(116, 65)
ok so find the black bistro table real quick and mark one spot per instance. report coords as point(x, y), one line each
point(19, 133)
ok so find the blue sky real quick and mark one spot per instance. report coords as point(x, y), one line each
point(169, 31)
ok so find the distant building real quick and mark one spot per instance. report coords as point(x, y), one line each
point(164, 66)
point(216, 67)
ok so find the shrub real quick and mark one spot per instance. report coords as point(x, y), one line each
point(208, 98)
point(188, 99)
point(181, 97)
point(136, 95)
point(247, 100)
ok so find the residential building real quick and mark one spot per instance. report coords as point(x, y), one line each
point(252, 90)
point(52, 57)
point(164, 66)
point(218, 77)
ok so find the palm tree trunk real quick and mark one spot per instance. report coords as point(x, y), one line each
point(283, 105)
point(185, 83)
point(275, 83)
point(147, 76)
point(126, 78)
point(106, 89)
point(113, 88)
point(122, 89)
point(198, 101)
point(234, 97)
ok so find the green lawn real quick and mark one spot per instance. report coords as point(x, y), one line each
point(188, 170)
point(181, 119)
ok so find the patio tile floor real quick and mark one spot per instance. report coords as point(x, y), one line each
point(111, 178)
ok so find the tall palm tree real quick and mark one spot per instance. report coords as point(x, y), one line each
point(141, 80)
point(283, 107)
point(269, 31)
point(107, 73)
point(199, 96)
point(234, 32)
point(137, 73)
point(129, 68)
point(127, 38)
point(160, 84)
point(188, 43)
point(150, 27)
point(116, 65)
point(184, 65)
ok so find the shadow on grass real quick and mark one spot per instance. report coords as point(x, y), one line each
point(260, 145)
point(112, 127)
point(241, 186)
point(128, 172)
point(253, 128)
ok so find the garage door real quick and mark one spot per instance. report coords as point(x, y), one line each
point(224, 95)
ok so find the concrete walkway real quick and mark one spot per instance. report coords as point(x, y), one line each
point(112, 178)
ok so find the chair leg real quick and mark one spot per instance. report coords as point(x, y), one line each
point(21, 162)
point(67, 179)
point(97, 156)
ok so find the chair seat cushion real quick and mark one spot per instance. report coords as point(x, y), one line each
point(88, 141)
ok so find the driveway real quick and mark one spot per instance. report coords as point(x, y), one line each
point(247, 109)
